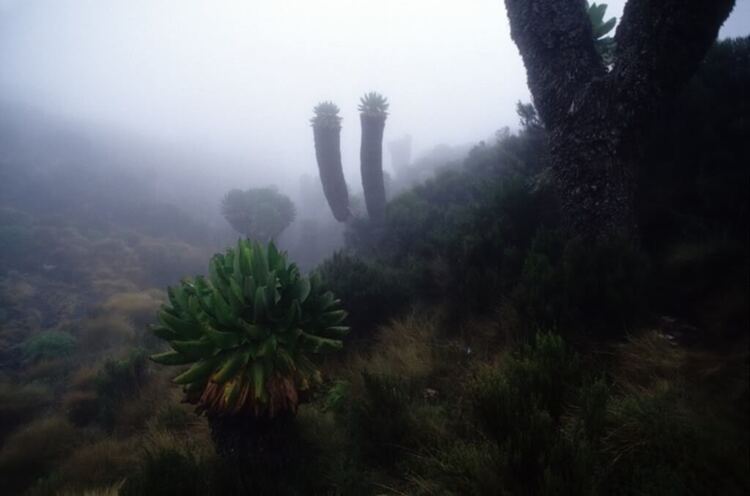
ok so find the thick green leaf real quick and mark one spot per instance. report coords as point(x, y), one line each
point(231, 365)
point(231, 393)
point(285, 361)
point(199, 372)
point(195, 348)
point(171, 358)
point(315, 344)
point(275, 259)
point(222, 309)
point(237, 292)
point(596, 13)
point(245, 259)
point(289, 337)
point(248, 289)
point(293, 315)
point(164, 333)
point(605, 28)
point(268, 347)
point(330, 319)
point(301, 289)
point(216, 271)
point(254, 332)
point(258, 376)
point(260, 303)
point(181, 327)
point(259, 264)
point(223, 340)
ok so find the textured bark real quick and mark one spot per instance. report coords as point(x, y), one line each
point(592, 115)
point(328, 155)
point(371, 164)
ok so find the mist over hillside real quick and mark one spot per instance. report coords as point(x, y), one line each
point(326, 248)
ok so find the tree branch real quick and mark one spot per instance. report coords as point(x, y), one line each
point(557, 46)
point(659, 45)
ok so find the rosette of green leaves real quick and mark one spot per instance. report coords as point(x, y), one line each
point(249, 325)
point(373, 103)
point(326, 115)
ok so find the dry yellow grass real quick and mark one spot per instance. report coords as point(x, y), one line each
point(404, 348)
point(105, 331)
point(100, 463)
point(138, 307)
point(649, 357)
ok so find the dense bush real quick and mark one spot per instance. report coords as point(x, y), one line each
point(170, 472)
point(374, 293)
point(577, 287)
point(120, 379)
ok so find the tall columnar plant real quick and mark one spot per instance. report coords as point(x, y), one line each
point(326, 126)
point(246, 334)
point(373, 110)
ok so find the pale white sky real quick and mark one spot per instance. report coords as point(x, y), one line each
point(242, 76)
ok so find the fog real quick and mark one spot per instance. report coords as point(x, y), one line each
point(212, 95)
point(241, 77)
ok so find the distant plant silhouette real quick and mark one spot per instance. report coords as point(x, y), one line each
point(326, 126)
point(259, 213)
point(373, 111)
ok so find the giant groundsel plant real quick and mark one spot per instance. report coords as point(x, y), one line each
point(326, 125)
point(247, 332)
point(373, 110)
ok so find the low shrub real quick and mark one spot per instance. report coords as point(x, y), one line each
point(371, 293)
point(381, 420)
point(96, 463)
point(519, 406)
point(118, 380)
point(137, 307)
point(81, 407)
point(169, 472)
point(21, 403)
point(48, 345)
point(105, 331)
point(31, 451)
point(177, 465)
point(571, 286)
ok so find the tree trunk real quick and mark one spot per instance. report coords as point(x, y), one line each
point(593, 113)
point(371, 163)
point(328, 155)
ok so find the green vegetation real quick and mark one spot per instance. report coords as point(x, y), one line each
point(492, 354)
point(247, 331)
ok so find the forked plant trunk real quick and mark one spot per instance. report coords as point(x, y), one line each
point(594, 111)
point(328, 155)
point(371, 163)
